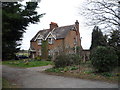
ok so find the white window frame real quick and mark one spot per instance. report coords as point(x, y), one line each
point(49, 52)
point(40, 53)
point(39, 41)
point(50, 40)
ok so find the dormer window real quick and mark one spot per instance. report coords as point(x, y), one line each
point(39, 41)
point(50, 40)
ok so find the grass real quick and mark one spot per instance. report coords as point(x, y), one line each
point(24, 53)
point(26, 63)
point(8, 84)
point(85, 72)
point(61, 70)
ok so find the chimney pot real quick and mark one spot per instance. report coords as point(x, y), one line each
point(53, 25)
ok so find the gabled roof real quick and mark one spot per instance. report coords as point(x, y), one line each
point(41, 32)
point(50, 33)
point(59, 32)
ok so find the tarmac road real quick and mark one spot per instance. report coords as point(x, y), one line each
point(30, 78)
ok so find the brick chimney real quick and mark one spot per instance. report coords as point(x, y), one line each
point(53, 25)
point(77, 25)
point(78, 33)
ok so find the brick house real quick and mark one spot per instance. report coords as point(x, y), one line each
point(60, 39)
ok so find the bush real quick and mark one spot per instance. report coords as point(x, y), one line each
point(76, 59)
point(104, 59)
point(38, 58)
point(67, 60)
point(49, 58)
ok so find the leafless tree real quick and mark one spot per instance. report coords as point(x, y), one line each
point(104, 13)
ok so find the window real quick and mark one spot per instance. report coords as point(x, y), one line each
point(40, 52)
point(49, 52)
point(75, 41)
point(39, 41)
point(50, 40)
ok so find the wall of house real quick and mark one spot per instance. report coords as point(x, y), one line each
point(36, 47)
point(70, 40)
point(56, 47)
point(57, 43)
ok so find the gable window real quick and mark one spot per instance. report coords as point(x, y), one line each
point(50, 40)
point(39, 41)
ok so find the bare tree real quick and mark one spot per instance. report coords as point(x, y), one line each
point(104, 13)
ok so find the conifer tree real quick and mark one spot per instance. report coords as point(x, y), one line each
point(15, 18)
point(98, 39)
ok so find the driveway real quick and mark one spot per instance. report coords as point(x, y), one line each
point(31, 78)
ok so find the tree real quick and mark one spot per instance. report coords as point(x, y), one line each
point(104, 59)
point(98, 39)
point(102, 12)
point(114, 41)
point(15, 18)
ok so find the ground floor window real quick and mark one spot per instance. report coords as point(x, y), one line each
point(39, 52)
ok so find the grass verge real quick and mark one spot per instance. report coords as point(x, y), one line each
point(26, 63)
point(7, 84)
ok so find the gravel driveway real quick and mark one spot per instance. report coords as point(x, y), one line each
point(30, 78)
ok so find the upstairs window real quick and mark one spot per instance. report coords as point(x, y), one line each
point(50, 40)
point(39, 41)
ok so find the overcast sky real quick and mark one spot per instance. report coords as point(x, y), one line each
point(63, 12)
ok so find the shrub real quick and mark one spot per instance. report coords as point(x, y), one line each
point(75, 59)
point(61, 61)
point(49, 58)
point(104, 59)
point(67, 60)
point(38, 58)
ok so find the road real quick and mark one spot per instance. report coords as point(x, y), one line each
point(30, 78)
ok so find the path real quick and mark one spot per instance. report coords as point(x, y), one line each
point(30, 78)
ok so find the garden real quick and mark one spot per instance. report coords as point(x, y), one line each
point(102, 66)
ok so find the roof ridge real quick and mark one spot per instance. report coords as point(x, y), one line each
point(57, 27)
point(43, 30)
point(66, 25)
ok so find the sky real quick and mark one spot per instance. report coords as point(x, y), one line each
point(62, 12)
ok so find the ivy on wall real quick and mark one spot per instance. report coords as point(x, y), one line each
point(44, 49)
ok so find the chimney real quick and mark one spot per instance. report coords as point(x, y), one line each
point(53, 25)
point(77, 25)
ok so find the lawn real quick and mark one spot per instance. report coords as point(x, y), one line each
point(27, 63)
point(85, 71)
